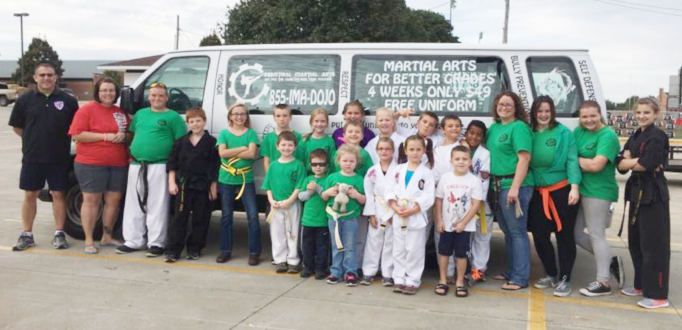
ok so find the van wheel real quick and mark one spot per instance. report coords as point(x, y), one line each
point(73, 225)
point(3, 101)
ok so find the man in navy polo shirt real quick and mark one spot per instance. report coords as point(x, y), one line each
point(42, 118)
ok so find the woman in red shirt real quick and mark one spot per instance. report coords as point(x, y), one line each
point(101, 164)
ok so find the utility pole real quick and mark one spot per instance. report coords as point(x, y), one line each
point(453, 4)
point(21, 65)
point(506, 22)
point(177, 32)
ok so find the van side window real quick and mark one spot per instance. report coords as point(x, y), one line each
point(557, 78)
point(304, 82)
point(465, 85)
point(185, 78)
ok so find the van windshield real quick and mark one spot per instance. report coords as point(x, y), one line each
point(304, 82)
point(465, 85)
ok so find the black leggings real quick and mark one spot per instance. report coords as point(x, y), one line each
point(649, 245)
point(542, 229)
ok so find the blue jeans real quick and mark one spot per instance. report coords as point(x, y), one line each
point(516, 236)
point(346, 261)
point(227, 196)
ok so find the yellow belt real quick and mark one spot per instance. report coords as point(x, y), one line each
point(481, 215)
point(387, 209)
point(337, 236)
point(229, 168)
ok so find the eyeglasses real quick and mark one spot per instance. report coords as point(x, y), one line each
point(48, 75)
point(506, 105)
point(234, 115)
point(384, 149)
point(318, 164)
point(157, 85)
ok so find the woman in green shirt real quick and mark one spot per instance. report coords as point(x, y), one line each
point(554, 205)
point(598, 147)
point(238, 148)
point(510, 143)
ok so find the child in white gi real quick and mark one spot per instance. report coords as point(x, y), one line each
point(379, 243)
point(386, 123)
point(281, 185)
point(458, 197)
point(410, 194)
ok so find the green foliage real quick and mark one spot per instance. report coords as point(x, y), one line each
point(316, 21)
point(210, 40)
point(38, 51)
point(116, 75)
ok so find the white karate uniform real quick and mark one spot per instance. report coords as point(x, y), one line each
point(371, 146)
point(379, 244)
point(442, 164)
point(436, 138)
point(284, 231)
point(408, 243)
point(155, 223)
point(480, 243)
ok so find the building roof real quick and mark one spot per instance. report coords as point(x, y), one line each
point(73, 69)
point(141, 63)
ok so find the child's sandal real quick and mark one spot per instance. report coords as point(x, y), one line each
point(442, 289)
point(462, 292)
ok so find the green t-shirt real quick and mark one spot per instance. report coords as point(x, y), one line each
point(555, 157)
point(313, 208)
point(283, 178)
point(504, 143)
point(269, 147)
point(232, 141)
point(603, 142)
point(326, 143)
point(365, 163)
point(357, 182)
point(155, 133)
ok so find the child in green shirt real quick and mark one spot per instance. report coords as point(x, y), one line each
point(269, 149)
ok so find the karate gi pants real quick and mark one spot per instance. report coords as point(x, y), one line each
point(155, 223)
point(284, 231)
point(408, 255)
point(378, 251)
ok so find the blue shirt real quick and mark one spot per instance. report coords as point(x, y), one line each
point(408, 176)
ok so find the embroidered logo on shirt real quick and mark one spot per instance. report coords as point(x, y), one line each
point(421, 184)
point(503, 138)
point(59, 105)
point(162, 122)
point(590, 146)
point(551, 143)
point(294, 176)
point(397, 177)
point(373, 175)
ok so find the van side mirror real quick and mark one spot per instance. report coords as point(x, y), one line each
point(128, 100)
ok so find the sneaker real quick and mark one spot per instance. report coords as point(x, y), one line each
point(596, 289)
point(320, 275)
point(632, 292)
point(306, 273)
point(123, 249)
point(477, 275)
point(410, 290)
point(193, 255)
point(367, 280)
point(59, 241)
point(351, 280)
point(653, 303)
point(617, 270)
point(563, 288)
point(170, 258)
point(333, 279)
point(293, 269)
point(545, 282)
point(282, 268)
point(398, 288)
point(387, 281)
point(24, 243)
point(154, 251)
point(223, 257)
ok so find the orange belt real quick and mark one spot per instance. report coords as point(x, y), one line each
point(548, 202)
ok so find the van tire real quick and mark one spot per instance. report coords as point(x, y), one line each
point(73, 225)
point(3, 101)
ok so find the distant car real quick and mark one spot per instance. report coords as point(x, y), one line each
point(9, 93)
point(70, 92)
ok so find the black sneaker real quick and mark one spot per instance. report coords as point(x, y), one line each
point(24, 243)
point(282, 267)
point(617, 270)
point(307, 273)
point(320, 275)
point(293, 269)
point(596, 289)
point(170, 258)
point(351, 280)
point(154, 251)
point(193, 255)
point(333, 279)
point(123, 249)
point(59, 241)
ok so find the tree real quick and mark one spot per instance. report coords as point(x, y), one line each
point(610, 105)
point(210, 40)
point(315, 21)
point(39, 51)
point(116, 75)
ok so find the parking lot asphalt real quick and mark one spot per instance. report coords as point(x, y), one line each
point(43, 288)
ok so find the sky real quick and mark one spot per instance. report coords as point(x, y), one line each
point(635, 44)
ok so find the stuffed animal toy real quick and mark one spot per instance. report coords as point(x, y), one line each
point(342, 198)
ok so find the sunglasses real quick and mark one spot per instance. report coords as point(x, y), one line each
point(318, 164)
point(157, 84)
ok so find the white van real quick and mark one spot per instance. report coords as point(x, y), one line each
point(443, 78)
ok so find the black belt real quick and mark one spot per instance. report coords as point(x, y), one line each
point(494, 194)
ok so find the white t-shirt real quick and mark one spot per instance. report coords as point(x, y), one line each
point(457, 192)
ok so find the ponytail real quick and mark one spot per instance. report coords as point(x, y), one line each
point(428, 147)
point(429, 151)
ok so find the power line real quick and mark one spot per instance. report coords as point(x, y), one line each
point(636, 8)
point(441, 5)
point(642, 5)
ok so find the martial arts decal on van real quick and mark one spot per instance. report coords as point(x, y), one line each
point(556, 84)
point(427, 83)
point(304, 82)
point(556, 77)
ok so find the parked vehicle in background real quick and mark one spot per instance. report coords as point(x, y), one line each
point(9, 93)
point(70, 92)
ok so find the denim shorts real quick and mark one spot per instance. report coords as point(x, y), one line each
point(100, 178)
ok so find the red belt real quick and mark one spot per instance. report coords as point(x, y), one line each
point(548, 202)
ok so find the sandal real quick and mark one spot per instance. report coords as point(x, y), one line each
point(461, 292)
point(501, 277)
point(510, 286)
point(90, 249)
point(442, 289)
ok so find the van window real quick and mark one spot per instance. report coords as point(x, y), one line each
point(304, 82)
point(185, 78)
point(462, 84)
point(557, 78)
